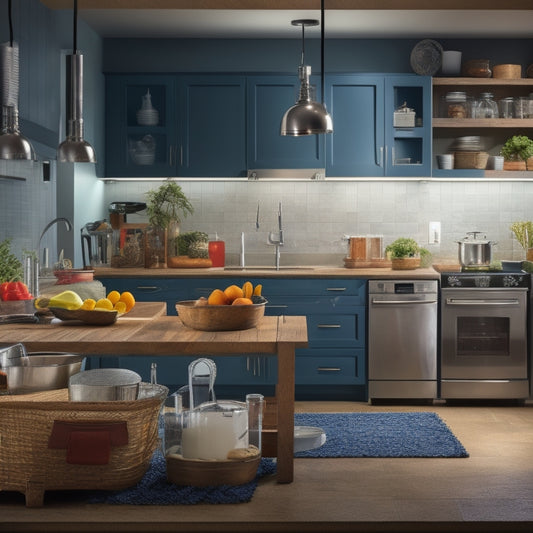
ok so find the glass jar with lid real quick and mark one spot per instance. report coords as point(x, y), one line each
point(487, 106)
point(454, 105)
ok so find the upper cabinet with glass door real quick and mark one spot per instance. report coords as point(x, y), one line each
point(171, 125)
point(141, 129)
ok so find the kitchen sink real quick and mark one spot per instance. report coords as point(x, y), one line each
point(244, 269)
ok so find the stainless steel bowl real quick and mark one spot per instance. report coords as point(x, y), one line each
point(41, 371)
point(104, 385)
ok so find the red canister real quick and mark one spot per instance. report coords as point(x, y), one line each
point(217, 253)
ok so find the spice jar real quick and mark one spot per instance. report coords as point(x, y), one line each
point(454, 105)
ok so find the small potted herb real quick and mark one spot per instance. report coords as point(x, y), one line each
point(516, 152)
point(405, 253)
point(523, 232)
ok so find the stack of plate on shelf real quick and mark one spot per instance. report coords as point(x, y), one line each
point(143, 152)
point(469, 153)
point(470, 143)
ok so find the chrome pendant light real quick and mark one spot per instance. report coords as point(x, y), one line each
point(308, 117)
point(13, 145)
point(75, 149)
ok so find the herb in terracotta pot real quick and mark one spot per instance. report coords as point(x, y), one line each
point(517, 149)
point(523, 232)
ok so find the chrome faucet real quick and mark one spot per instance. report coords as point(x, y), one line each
point(277, 240)
point(68, 224)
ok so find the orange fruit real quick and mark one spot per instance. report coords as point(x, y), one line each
point(217, 297)
point(113, 297)
point(88, 304)
point(258, 289)
point(242, 301)
point(103, 304)
point(120, 307)
point(247, 289)
point(233, 292)
point(128, 299)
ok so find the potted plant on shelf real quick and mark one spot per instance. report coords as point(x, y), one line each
point(523, 232)
point(517, 153)
point(405, 253)
point(165, 208)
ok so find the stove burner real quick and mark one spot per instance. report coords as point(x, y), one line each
point(485, 279)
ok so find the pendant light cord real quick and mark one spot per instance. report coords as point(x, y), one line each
point(9, 4)
point(75, 31)
point(322, 84)
point(302, 61)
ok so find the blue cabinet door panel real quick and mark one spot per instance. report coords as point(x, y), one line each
point(336, 330)
point(212, 126)
point(355, 148)
point(268, 99)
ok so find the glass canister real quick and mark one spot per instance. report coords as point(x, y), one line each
point(487, 106)
point(506, 107)
point(454, 105)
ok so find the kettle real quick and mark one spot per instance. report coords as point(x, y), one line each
point(96, 244)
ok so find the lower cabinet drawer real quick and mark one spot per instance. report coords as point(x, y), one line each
point(331, 370)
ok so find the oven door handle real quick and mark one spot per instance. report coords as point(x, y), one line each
point(402, 302)
point(453, 301)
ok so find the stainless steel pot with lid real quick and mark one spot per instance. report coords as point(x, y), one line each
point(475, 252)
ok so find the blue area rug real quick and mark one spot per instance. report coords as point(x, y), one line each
point(382, 435)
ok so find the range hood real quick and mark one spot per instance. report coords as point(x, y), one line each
point(287, 173)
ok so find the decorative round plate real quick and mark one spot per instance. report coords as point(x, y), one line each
point(426, 57)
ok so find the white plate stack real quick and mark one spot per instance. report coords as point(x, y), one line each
point(147, 115)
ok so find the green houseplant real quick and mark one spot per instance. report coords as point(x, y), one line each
point(165, 206)
point(516, 152)
point(405, 253)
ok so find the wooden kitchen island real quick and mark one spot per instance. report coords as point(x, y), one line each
point(146, 331)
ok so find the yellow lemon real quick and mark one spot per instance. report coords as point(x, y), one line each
point(247, 289)
point(120, 307)
point(103, 304)
point(88, 305)
point(113, 297)
point(258, 289)
point(128, 299)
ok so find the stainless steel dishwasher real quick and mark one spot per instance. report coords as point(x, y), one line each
point(402, 340)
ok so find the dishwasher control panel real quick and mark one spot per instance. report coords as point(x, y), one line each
point(419, 286)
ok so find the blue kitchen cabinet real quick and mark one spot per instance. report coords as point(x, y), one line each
point(268, 97)
point(365, 141)
point(201, 127)
point(134, 149)
point(332, 366)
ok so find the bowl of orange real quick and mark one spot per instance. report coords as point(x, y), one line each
point(227, 310)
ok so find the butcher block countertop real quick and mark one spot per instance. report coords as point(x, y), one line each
point(318, 272)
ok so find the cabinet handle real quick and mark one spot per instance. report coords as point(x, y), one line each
point(328, 369)
point(380, 157)
point(336, 289)
point(277, 306)
point(171, 155)
point(181, 155)
point(148, 288)
point(326, 326)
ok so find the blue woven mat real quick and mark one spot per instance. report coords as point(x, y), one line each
point(411, 434)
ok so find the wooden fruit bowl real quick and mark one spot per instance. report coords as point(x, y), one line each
point(95, 317)
point(219, 317)
point(203, 473)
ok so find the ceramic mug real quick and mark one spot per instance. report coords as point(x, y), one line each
point(451, 63)
point(445, 161)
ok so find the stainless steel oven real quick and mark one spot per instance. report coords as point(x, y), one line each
point(484, 336)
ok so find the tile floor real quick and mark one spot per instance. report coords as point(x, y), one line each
point(491, 491)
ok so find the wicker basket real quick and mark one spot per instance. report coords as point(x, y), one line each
point(405, 263)
point(507, 72)
point(471, 160)
point(49, 443)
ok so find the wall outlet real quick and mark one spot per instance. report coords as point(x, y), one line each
point(434, 233)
